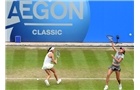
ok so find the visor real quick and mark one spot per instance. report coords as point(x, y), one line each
point(52, 48)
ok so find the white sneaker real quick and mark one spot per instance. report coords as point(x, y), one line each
point(120, 87)
point(106, 87)
point(59, 80)
point(47, 82)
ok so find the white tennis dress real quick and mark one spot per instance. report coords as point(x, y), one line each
point(47, 62)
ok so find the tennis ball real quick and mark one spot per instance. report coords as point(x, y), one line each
point(130, 34)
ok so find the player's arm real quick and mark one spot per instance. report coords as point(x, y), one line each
point(118, 60)
point(52, 56)
point(113, 46)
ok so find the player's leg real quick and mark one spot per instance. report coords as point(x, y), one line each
point(108, 75)
point(49, 74)
point(48, 77)
point(54, 72)
point(118, 79)
point(107, 78)
point(55, 75)
point(118, 76)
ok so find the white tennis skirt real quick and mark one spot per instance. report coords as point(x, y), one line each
point(47, 66)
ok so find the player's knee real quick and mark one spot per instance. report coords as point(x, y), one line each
point(49, 75)
point(108, 75)
point(118, 78)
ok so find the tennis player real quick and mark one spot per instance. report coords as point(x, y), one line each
point(49, 67)
point(119, 56)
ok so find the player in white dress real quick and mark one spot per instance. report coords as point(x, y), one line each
point(48, 66)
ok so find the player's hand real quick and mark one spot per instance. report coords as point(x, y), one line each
point(55, 61)
point(111, 41)
point(112, 55)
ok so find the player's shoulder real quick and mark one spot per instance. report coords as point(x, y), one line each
point(49, 53)
point(117, 51)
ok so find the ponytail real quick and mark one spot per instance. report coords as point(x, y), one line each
point(49, 49)
point(124, 52)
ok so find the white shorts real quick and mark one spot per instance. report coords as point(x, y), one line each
point(47, 66)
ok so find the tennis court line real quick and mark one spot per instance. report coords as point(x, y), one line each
point(68, 78)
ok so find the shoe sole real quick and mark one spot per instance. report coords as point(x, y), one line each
point(59, 82)
point(47, 84)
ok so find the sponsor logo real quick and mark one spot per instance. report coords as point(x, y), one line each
point(57, 21)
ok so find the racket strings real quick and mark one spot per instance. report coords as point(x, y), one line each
point(110, 37)
point(57, 53)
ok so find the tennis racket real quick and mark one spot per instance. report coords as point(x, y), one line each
point(57, 53)
point(110, 38)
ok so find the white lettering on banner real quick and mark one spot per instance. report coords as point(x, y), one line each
point(72, 8)
point(46, 32)
point(29, 10)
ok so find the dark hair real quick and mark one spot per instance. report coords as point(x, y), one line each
point(124, 52)
point(49, 49)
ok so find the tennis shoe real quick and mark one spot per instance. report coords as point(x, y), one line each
point(106, 87)
point(120, 87)
point(47, 82)
point(59, 80)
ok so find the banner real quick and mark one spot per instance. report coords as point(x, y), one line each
point(69, 21)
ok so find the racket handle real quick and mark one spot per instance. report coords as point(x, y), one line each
point(111, 40)
point(55, 61)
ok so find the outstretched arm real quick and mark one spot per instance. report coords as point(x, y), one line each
point(113, 46)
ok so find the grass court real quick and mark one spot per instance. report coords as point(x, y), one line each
point(79, 68)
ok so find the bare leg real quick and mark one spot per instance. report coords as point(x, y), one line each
point(55, 75)
point(49, 74)
point(108, 76)
point(118, 77)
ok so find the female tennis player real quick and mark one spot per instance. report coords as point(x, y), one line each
point(119, 56)
point(48, 66)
